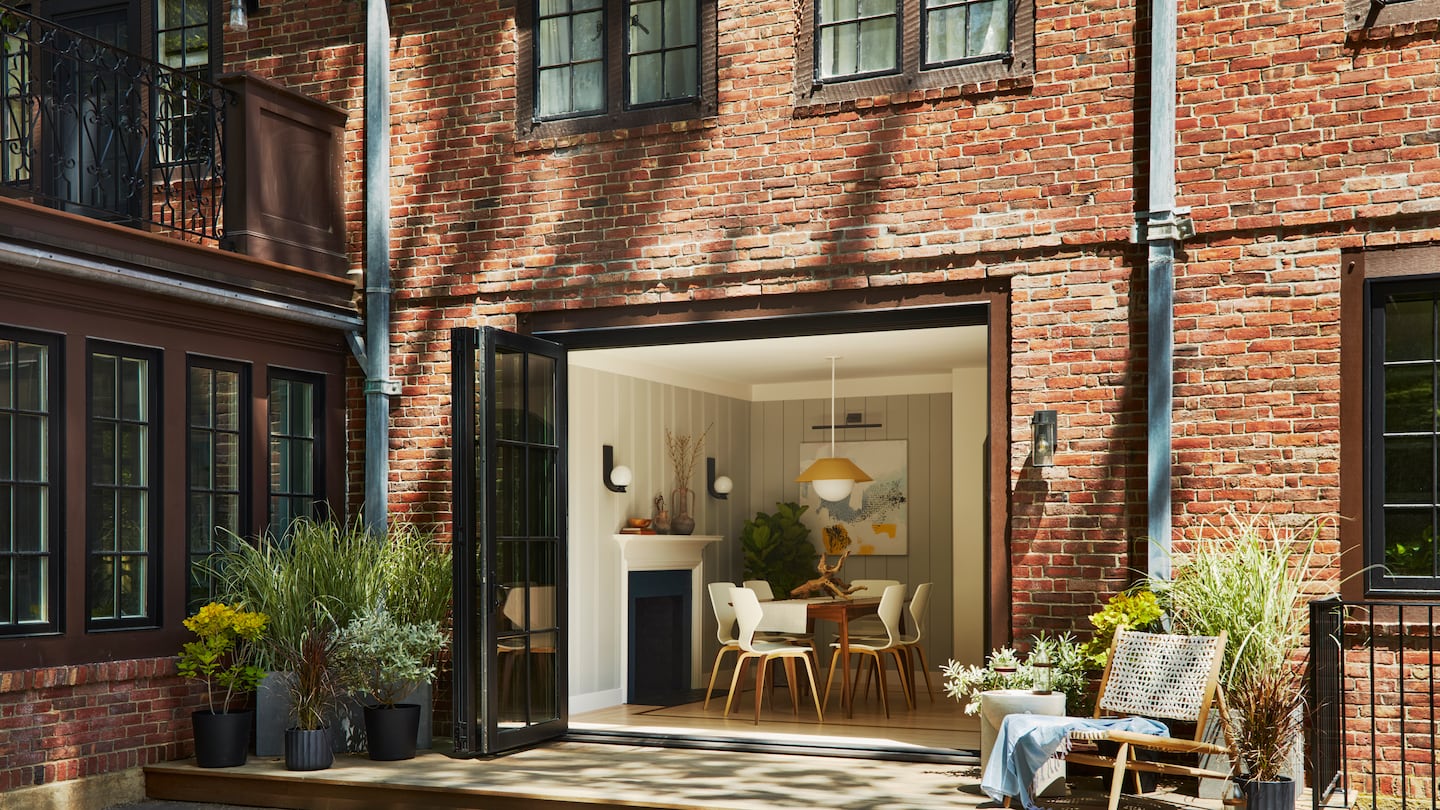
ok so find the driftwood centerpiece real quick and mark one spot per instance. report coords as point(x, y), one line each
point(828, 581)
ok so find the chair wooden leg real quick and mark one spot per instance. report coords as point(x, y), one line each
point(759, 678)
point(1118, 780)
point(884, 690)
point(715, 670)
point(905, 681)
point(925, 667)
point(814, 693)
point(735, 679)
point(790, 682)
point(830, 676)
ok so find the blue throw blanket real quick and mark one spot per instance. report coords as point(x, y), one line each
point(1025, 741)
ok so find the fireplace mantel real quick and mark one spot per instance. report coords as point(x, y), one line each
point(663, 552)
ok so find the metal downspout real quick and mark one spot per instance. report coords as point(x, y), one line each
point(1165, 227)
point(378, 385)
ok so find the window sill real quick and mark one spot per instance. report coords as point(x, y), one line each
point(524, 144)
point(805, 109)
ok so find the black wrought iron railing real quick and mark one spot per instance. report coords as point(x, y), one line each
point(92, 129)
point(1375, 704)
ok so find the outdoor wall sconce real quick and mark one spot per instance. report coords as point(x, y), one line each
point(1042, 438)
point(616, 478)
point(719, 487)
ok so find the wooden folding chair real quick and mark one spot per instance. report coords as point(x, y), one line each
point(1163, 677)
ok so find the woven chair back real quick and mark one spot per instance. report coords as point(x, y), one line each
point(1161, 675)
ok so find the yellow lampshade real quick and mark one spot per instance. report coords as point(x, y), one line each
point(833, 478)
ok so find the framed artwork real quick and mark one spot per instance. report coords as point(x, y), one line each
point(873, 520)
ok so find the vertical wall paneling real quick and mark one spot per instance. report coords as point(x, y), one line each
point(969, 563)
point(631, 414)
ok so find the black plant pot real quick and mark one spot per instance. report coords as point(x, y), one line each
point(221, 740)
point(1277, 795)
point(308, 750)
point(390, 732)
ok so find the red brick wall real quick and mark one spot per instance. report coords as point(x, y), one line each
point(1295, 142)
point(71, 722)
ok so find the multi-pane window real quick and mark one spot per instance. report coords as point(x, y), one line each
point(217, 424)
point(122, 505)
point(860, 38)
point(570, 57)
point(599, 63)
point(29, 455)
point(663, 50)
point(182, 42)
point(857, 37)
point(957, 30)
point(16, 116)
point(1404, 446)
point(295, 480)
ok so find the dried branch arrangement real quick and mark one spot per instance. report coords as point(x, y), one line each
point(684, 452)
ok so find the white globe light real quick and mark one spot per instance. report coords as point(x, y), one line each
point(833, 489)
point(620, 476)
point(723, 485)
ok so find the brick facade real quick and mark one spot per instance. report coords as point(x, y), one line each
point(71, 722)
point(1298, 139)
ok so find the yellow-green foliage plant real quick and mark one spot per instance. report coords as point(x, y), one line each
point(1135, 609)
point(224, 654)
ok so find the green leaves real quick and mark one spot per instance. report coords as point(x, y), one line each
point(777, 548)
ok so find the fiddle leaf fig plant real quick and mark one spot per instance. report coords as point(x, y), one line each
point(778, 549)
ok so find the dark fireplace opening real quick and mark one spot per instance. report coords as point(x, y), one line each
point(660, 642)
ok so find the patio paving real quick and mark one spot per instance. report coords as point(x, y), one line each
point(589, 775)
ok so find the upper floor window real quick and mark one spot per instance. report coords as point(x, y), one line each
point(218, 424)
point(595, 64)
point(29, 500)
point(183, 41)
point(295, 454)
point(857, 48)
point(122, 571)
point(1403, 403)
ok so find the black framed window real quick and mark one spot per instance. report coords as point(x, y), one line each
point(1403, 446)
point(217, 469)
point(123, 499)
point(296, 426)
point(186, 41)
point(30, 507)
point(594, 64)
point(858, 48)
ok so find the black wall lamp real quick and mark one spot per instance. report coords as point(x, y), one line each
point(719, 488)
point(616, 478)
point(1042, 438)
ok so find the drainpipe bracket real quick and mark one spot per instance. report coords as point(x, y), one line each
point(389, 388)
point(1175, 226)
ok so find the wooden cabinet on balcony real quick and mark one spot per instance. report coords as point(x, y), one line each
point(284, 198)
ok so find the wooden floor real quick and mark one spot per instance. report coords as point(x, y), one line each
point(939, 726)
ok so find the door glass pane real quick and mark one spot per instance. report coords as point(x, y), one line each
point(542, 399)
point(1409, 398)
point(509, 380)
point(1410, 329)
point(1410, 542)
point(542, 497)
point(1410, 470)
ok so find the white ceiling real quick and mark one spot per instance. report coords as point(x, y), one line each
point(915, 361)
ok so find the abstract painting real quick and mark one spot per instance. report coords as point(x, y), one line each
point(873, 519)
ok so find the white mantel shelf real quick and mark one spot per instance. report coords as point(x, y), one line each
point(663, 552)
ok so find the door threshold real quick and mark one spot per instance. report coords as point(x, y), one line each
point(760, 743)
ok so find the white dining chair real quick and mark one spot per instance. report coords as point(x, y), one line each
point(724, 629)
point(748, 614)
point(890, 603)
point(910, 640)
point(761, 587)
point(868, 589)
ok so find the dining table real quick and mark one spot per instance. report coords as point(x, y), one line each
point(799, 616)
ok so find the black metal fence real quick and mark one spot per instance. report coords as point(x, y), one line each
point(1375, 719)
point(89, 128)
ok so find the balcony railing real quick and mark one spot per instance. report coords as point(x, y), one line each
point(94, 130)
point(1375, 704)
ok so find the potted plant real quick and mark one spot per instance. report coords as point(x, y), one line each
point(777, 548)
point(331, 570)
point(386, 658)
point(313, 688)
point(223, 658)
point(1248, 580)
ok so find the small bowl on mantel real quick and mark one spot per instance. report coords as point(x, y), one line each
point(637, 523)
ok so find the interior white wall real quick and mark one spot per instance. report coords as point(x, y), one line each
point(970, 414)
point(631, 414)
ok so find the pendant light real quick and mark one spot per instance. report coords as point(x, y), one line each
point(833, 478)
